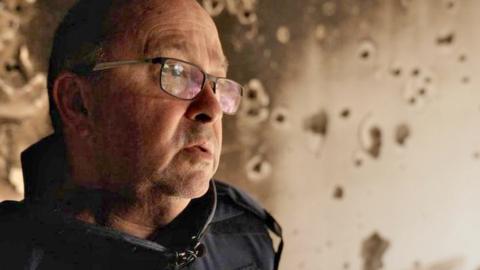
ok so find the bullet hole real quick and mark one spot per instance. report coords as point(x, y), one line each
point(345, 113)
point(446, 40)
point(320, 32)
point(373, 249)
point(396, 72)
point(247, 17)
point(358, 162)
point(412, 101)
point(465, 79)
point(329, 8)
point(365, 54)
point(252, 94)
point(318, 124)
point(213, 7)
point(450, 4)
point(422, 91)
point(375, 134)
point(279, 117)
point(415, 72)
point(367, 50)
point(338, 193)
point(19, 8)
point(258, 168)
point(462, 58)
point(256, 93)
point(402, 133)
point(283, 34)
point(427, 80)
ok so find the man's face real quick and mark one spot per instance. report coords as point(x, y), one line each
point(144, 139)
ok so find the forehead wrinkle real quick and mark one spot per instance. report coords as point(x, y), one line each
point(186, 45)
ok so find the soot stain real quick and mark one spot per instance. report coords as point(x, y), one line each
point(373, 249)
point(318, 124)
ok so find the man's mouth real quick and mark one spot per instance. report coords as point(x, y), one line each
point(202, 149)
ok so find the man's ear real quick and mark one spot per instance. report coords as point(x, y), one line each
point(70, 93)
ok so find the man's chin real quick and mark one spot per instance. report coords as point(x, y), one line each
point(191, 186)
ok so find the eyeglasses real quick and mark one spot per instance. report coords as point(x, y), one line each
point(185, 81)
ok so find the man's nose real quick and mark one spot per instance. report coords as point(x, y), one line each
point(205, 108)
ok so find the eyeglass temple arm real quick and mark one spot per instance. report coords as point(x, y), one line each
point(109, 65)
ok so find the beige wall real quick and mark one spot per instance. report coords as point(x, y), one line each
point(359, 128)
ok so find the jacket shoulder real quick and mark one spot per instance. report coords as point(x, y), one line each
point(11, 209)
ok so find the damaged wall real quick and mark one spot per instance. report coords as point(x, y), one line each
point(359, 127)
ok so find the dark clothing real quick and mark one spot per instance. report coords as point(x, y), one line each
point(224, 229)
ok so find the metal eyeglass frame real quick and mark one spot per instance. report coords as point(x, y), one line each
point(161, 61)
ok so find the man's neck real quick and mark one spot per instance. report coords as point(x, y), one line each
point(140, 218)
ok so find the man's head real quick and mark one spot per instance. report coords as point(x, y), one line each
point(123, 132)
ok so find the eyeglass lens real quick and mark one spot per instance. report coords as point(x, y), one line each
point(185, 81)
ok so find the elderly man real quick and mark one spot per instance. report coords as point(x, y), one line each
point(137, 93)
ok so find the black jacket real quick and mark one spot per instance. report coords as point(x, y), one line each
point(225, 229)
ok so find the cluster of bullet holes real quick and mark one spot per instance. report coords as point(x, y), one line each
point(258, 168)
point(371, 140)
point(373, 249)
point(255, 107)
point(419, 88)
point(244, 10)
point(462, 58)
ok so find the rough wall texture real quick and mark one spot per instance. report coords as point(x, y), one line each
point(358, 129)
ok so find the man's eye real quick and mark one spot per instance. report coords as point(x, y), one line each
point(177, 70)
